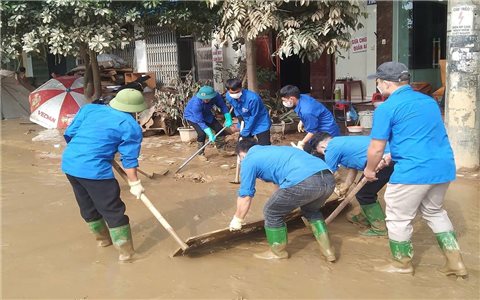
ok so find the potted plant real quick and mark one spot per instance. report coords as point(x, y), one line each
point(172, 101)
point(282, 117)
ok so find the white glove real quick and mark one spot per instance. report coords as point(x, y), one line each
point(300, 127)
point(236, 224)
point(342, 189)
point(136, 188)
point(299, 145)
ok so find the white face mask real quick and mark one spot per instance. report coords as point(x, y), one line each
point(236, 96)
point(288, 104)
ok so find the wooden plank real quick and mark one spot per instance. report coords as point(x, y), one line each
point(223, 235)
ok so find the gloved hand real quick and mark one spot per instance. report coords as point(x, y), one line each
point(228, 120)
point(300, 127)
point(299, 145)
point(342, 189)
point(236, 224)
point(136, 188)
point(295, 145)
point(210, 134)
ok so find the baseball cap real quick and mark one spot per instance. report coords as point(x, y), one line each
point(391, 71)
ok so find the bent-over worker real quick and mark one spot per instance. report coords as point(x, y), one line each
point(96, 134)
point(198, 113)
point(303, 181)
point(249, 108)
point(314, 116)
point(351, 152)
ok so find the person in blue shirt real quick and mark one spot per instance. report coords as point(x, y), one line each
point(302, 181)
point(313, 115)
point(198, 113)
point(249, 108)
point(351, 152)
point(411, 122)
point(93, 138)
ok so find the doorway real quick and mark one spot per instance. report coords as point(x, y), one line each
point(293, 71)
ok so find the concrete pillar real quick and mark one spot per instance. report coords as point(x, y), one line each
point(462, 107)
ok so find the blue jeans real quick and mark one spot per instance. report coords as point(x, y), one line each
point(309, 195)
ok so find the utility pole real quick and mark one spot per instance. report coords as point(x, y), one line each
point(462, 105)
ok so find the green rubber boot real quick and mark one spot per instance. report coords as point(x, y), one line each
point(122, 240)
point(357, 218)
point(100, 230)
point(320, 232)
point(449, 245)
point(402, 253)
point(376, 219)
point(277, 239)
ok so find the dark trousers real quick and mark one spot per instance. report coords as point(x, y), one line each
point(201, 135)
point(368, 194)
point(310, 195)
point(263, 138)
point(99, 199)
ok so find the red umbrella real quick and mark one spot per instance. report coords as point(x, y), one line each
point(55, 103)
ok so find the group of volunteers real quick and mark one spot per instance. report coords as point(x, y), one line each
point(408, 150)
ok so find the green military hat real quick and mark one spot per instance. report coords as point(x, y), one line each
point(129, 100)
point(206, 92)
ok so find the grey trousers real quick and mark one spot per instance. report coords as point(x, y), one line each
point(309, 195)
point(404, 200)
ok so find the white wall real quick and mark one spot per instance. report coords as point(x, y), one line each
point(229, 58)
point(360, 64)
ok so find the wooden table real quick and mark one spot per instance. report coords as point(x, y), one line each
point(347, 87)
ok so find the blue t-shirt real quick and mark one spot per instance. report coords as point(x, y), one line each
point(315, 116)
point(412, 123)
point(96, 133)
point(349, 152)
point(200, 113)
point(283, 165)
point(250, 107)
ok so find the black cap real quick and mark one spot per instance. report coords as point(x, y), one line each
point(391, 71)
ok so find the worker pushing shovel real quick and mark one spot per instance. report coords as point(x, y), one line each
point(303, 180)
point(351, 152)
point(96, 134)
point(199, 114)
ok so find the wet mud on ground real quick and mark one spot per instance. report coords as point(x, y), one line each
point(48, 252)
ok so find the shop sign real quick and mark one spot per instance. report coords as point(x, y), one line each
point(359, 44)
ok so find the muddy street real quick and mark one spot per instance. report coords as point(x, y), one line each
point(48, 251)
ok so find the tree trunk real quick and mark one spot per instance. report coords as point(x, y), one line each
point(462, 107)
point(97, 82)
point(251, 65)
point(87, 77)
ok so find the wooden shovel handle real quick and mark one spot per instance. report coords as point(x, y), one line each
point(152, 208)
point(162, 221)
point(347, 200)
